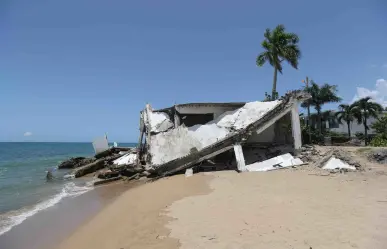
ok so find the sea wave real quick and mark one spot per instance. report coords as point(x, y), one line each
point(13, 218)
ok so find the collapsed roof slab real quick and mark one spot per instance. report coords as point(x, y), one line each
point(287, 104)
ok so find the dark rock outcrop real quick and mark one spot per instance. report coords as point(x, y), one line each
point(75, 162)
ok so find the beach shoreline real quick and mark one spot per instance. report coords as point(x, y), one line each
point(224, 209)
point(135, 219)
point(59, 221)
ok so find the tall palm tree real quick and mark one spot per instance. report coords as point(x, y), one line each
point(320, 96)
point(346, 114)
point(279, 46)
point(364, 109)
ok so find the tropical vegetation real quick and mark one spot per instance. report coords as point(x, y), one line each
point(364, 109)
point(320, 95)
point(346, 114)
point(279, 46)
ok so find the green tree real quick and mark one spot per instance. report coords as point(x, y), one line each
point(380, 126)
point(279, 46)
point(364, 109)
point(346, 114)
point(320, 95)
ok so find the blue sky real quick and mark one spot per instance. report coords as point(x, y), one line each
point(73, 70)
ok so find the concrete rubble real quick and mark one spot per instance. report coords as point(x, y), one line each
point(253, 136)
point(282, 161)
point(204, 131)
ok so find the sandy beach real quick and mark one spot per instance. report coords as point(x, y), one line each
point(282, 209)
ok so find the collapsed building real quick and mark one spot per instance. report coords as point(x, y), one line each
point(238, 136)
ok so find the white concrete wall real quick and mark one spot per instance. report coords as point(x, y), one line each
point(355, 127)
point(266, 136)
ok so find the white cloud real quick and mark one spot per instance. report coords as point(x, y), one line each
point(379, 94)
point(27, 134)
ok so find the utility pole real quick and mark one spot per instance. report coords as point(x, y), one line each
point(308, 122)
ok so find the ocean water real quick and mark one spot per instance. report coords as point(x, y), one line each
point(24, 190)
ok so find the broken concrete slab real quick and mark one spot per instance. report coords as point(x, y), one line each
point(334, 163)
point(282, 161)
point(127, 159)
point(159, 122)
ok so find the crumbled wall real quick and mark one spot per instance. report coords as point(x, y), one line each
point(181, 141)
point(159, 121)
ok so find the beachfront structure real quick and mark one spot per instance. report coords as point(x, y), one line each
point(333, 125)
point(236, 134)
point(354, 125)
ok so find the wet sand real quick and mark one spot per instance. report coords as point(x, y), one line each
point(46, 229)
point(281, 209)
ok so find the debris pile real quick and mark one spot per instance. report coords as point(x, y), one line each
point(335, 160)
point(112, 164)
point(75, 162)
point(379, 156)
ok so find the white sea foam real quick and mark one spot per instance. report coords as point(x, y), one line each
point(13, 218)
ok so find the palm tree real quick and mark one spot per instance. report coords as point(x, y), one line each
point(320, 96)
point(346, 114)
point(364, 109)
point(279, 46)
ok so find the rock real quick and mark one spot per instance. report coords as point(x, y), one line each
point(75, 162)
point(89, 168)
point(106, 174)
point(379, 156)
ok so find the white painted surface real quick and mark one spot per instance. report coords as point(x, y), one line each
point(126, 159)
point(285, 160)
point(189, 172)
point(159, 121)
point(296, 128)
point(246, 115)
point(239, 157)
point(265, 136)
point(100, 144)
point(178, 142)
point(335, 163)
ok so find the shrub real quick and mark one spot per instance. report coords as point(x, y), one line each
point(359, 135)
point(379, 141)
point(340, 139)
